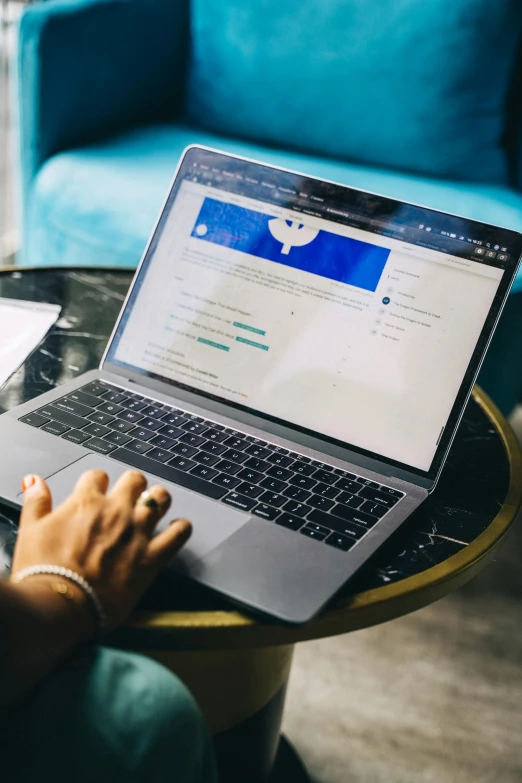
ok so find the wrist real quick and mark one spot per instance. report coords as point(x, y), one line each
point(60, 603)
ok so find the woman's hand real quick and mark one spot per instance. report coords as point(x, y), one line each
point(106, 537)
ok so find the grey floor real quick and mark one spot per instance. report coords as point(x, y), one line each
point(434, 697)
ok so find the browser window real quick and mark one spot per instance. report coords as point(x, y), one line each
point(358, 335)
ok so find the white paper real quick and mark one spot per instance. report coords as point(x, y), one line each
point(23, 325)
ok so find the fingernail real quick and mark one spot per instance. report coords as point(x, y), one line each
point(27, 482)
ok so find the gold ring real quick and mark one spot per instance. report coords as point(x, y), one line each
point(146, 499)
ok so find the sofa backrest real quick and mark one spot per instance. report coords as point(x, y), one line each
point(419, 86)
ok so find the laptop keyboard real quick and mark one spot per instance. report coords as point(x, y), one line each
point(315, 499)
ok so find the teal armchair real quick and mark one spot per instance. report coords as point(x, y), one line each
point(370, 93)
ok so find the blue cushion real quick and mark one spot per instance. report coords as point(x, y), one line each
point(419, 86)
point(97, 205)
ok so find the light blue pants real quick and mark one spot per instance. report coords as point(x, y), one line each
point(107, 716)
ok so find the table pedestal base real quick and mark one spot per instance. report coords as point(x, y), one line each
point(241, 694)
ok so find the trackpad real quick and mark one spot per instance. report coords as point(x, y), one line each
point(212, 521)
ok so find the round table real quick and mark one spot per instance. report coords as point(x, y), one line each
point(237, 667)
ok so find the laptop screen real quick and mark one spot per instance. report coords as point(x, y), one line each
point(348, 315)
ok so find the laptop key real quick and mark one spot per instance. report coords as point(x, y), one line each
point(353, 515)
point(296, 509)
point(174, 419)
point(111, 408)
point(99, 445)
point(376, 509)
point(100, 418)
point(379, 497)
point(274, 485)
point(280, 459)
point(133, 405)
point(204, 458)
point(239, 501)
point(235, 443)
point(272, 499)
point(325, 476)
point(204, 472)
point(305, 482)
point(393, 492)
point(368, 483)
point(183, 450)
point(192, 440)
point(194, 427)
point(302, 468)
point(141, 434)
point(169, 472)
point(250, 490)
point(258, 451)
point(133, 416)
point(75, 436)
point(215, 435)
point(340, 542)
point(56, 427)
point(170, 432)
point(334, 523)
point(324, 466)
point(252, 476)
point(151, 424)
point(266, 512)
point(86, 399)
point(235, 456)
point(326, 491)
point(162, 442)
point(279, 473)
point(153, 412)
point(139, 446)
point(98, 430)
point(257, 464)
point(347, 499)
point(183, 463)
point(118, 438)
point(121, 426)
point(344, 474)
point(226, 481)
point(348, 485)
point(72, 421)
point(228, 467)
point(117, 397)
point(34, 419)
point(319, 502)
point(162, 455)
point(97, 388)
point(213, 448)
point(324, 531)
point(296, 493)
point(289, 521)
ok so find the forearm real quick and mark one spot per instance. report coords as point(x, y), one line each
point(40, 628)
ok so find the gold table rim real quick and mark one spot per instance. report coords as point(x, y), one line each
point(331, 622)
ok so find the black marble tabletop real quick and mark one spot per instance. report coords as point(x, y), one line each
point(470, 492)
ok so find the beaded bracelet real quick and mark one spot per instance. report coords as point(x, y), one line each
point(100, 617)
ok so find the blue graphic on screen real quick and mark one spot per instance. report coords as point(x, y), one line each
point(291, 243)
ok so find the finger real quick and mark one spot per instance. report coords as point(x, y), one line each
point(128, 487)
point(149, 515)
point(96, 481)
point(165, 545)
point(37, 499)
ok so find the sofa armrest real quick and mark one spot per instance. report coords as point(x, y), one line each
point(90, 68)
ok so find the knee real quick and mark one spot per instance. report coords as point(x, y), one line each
point(154, 721)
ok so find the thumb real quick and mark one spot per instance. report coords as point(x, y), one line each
point(37, 499)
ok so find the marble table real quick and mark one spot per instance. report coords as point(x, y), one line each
point(238, 666)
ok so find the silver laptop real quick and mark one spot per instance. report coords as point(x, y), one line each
point(292, 361)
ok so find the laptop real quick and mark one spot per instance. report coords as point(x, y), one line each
point(291, 362)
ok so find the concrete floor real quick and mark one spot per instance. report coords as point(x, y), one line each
point(434, 697)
